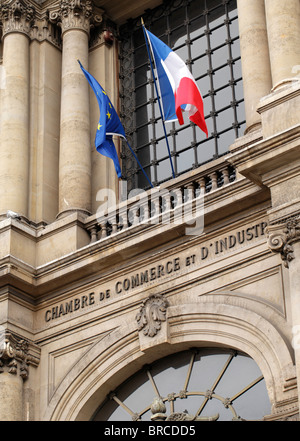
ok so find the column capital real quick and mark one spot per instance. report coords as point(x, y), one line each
point(17, 16)
point(281, 238)
point(16, 354)
point(76, 14)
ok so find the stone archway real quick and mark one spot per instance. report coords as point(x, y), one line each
point(118, 355)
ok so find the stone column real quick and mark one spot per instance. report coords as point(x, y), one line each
point(255, 58)
point(16, 17)
point(283, 24)
point(104, 48)
point(75, 146)
point(14, 367)
point(285, 239)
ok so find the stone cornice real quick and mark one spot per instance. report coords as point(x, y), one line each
point(257, 159)
point(53, 264)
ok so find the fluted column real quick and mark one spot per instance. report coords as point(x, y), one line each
point(256, 69)
point(16, 17)
point(283, 24)
point(75, 146)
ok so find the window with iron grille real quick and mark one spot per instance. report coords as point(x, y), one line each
point(191, 385)
point(204, 33)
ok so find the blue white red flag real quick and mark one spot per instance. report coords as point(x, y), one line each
point(178, 88)
point(109, 123)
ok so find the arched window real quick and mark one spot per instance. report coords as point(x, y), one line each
point(200, 384)
point(205, 34)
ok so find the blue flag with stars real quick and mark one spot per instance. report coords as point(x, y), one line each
point(109, 123)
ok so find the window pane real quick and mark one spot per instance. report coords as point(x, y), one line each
point(204, 33)
point(196, 382)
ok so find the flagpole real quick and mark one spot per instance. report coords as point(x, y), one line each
point(136, 158)
point(88, 76)
point(158, 97)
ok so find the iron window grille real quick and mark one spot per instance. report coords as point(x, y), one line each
point(208, 384)
point(205, 34)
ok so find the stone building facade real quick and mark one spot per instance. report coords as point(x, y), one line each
point(203, 268)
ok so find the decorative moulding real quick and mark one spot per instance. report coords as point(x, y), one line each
point(152, 313)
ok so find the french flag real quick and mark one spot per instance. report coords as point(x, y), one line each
point(178, 87)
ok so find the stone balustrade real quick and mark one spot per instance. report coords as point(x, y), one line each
point(173, 201)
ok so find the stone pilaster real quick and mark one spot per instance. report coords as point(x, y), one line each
point(16, 17)
point(283, 18)
point(16, 355)
point(104, 46)
point(256, 68)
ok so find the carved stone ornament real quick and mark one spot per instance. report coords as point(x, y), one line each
point(15, 355)
point(281, 238)
point(183, 416)
point(76, 14)
point(158, 410)
point(16, 16)
point(151, 314)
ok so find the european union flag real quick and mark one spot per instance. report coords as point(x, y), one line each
point(109, 123)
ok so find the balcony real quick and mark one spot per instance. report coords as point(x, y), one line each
point(173, 203)
point(75, 247)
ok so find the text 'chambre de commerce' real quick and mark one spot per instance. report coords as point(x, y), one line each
point(163, 269)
